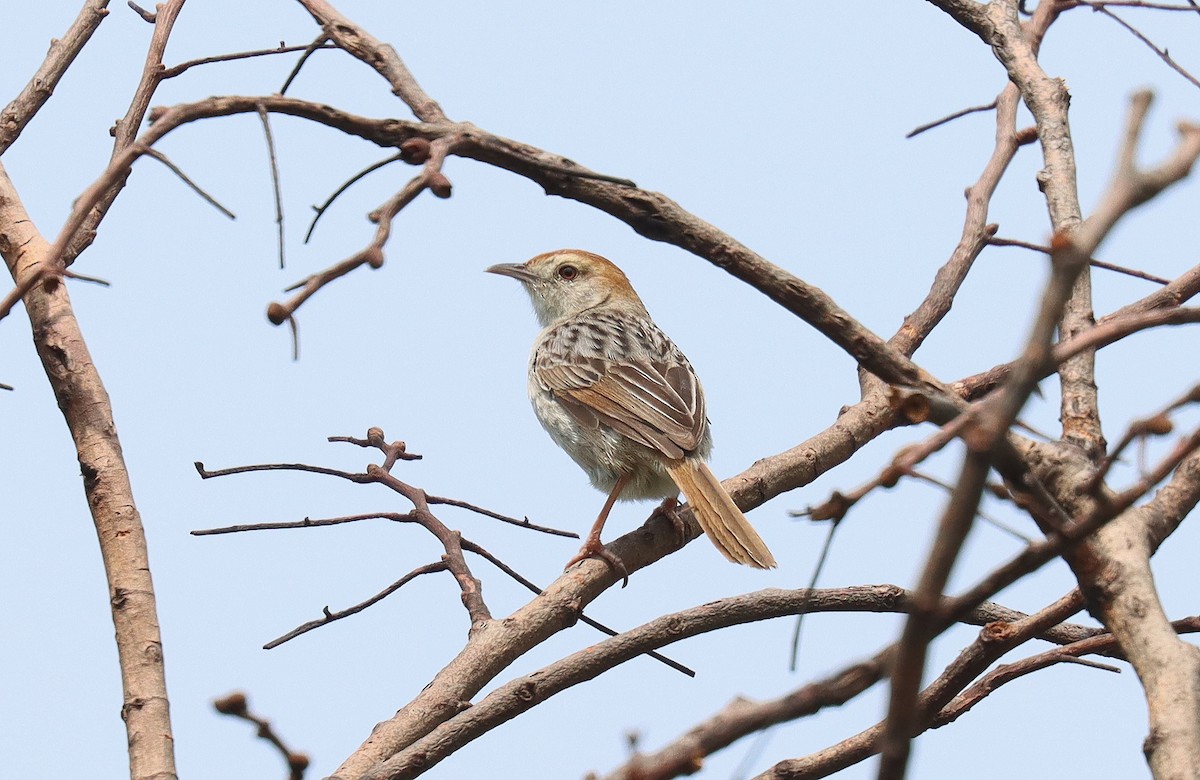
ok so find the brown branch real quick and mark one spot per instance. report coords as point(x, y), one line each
point(264, 117)
point(1162, 53)
point(1190, 7)
point(1157, 424)
point(329, 616)
point(431, 178)
point(982, 439)
point(522, 523)
point(920, 323)
point(1093, 262)
point(320, 42)
point(1103, 643)
point(743, 717)
point(523, 693)
point(470, 546)
point(320, 210)
point(378, 55)
point(196, 188)
point(1109, 330)
point(29, 281)
point(175, 70)
point(149, 17)
point(1039, 553)
point(236, 705)
point(87, 411)
point(993, 642)
point(451, 541)
point(63, 51)
point(651, 214)
point(949, 118)
point(392, 516)
point(395, 517)
point(1132, 186)
point(125, 133)
point(1179, 291)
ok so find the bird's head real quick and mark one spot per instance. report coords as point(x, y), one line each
point(568, 282)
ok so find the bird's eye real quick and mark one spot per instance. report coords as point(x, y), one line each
point(568, 272)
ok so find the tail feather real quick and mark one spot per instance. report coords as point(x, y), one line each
point(722, 521)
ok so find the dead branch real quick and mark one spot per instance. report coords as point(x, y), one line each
point(196, 188)
point(1093, 262)
point(329, 616)
point(63, 51)
point(237, 705)
point(264, 117)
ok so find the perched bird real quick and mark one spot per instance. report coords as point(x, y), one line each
point(614, 392)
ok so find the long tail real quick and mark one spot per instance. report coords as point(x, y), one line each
point(720, 518)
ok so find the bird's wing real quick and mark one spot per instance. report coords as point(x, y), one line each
point(658, 404)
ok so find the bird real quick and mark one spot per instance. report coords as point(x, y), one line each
point(614, 392)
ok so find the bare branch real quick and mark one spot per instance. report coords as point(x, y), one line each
point(320, 42)
point(266, 125)
point(1103, 643)
point(329, 616)
point(87, 411)
point(1162, 53)
point(175, 169)
point(1093, 262)
point(949, 118)
point(175, 70)
point(523, 693)
point(470, 546)
point(377, 55)
point(982, 440)
point(320, 210)
point(63, 52)
point(236, 705)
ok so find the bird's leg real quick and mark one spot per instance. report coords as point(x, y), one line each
point(669, 509)
point(593, 547)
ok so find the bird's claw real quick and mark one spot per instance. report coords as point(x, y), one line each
point(597, 550)
point(669, 509)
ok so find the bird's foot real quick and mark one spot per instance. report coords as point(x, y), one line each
point(594, 549)
point(669, 509)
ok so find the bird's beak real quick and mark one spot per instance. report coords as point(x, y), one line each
point(515, 270)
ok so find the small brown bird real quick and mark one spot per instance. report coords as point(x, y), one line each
point(614, 392)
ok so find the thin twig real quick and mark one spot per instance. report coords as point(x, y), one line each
point(1162, 53)
point(175, 70)
point(68, 273)
point(320, 210)
point(236, 705)
point(794, 658)
point(396, 517)
point(1157, 424)
point(329, 616)
point(18, 292)
point(949, 118)
point(470, 546)
point(266, 124)
point(320, 42)
point(997, 241)
point(523, 523)
point(162, 158)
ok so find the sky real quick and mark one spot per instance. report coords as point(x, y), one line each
point(781, 123)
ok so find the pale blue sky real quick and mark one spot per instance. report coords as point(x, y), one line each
point(782, 123)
